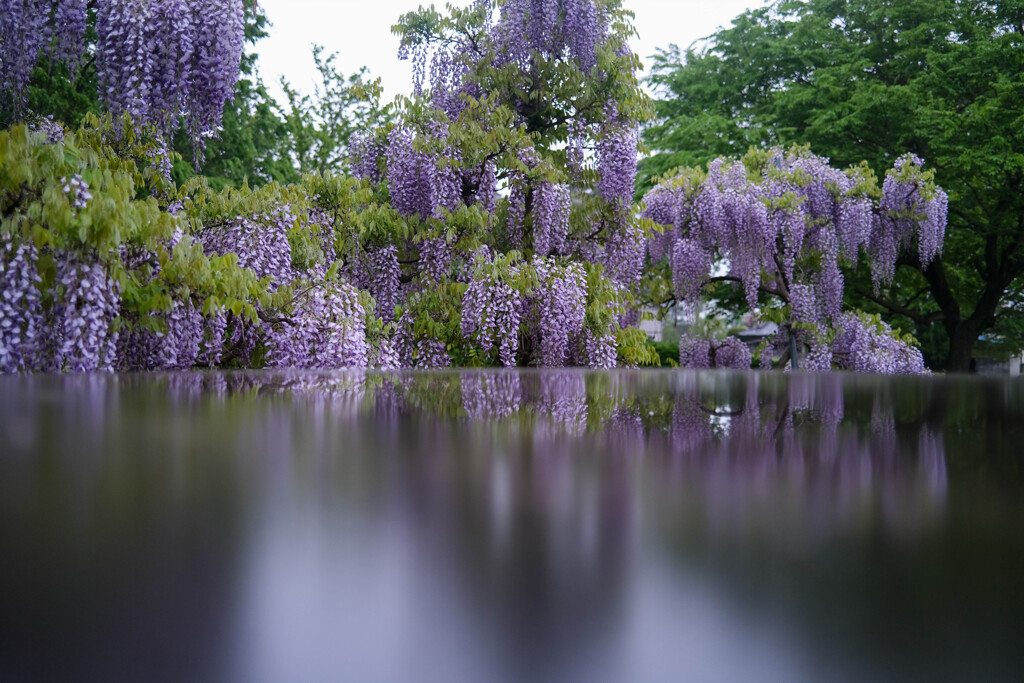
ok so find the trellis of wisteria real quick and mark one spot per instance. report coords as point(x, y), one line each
point(501, 127)
point(780, 226)
point(491, 224)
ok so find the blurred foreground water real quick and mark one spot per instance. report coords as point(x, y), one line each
point(511, 526)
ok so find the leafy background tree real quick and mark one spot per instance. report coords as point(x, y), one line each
point(870, 80)
point(320, 125)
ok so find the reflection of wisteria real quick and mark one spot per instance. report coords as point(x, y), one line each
point(535, 513)
point(832, 446)
point(691, 429)
point(931, 460)
point(624, 432)
point(563, 399)
point(791, 448)
point(491, 394)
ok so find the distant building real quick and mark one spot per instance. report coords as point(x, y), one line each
point(753, 336)
point(653, 328)
point(994, 366)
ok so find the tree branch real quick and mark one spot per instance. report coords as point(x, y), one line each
point(733, 278)
point(918, 318)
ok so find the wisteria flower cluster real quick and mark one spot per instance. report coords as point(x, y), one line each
point(551, 206)
point(597, 350)
point(421, 353)
point(376, 269)
point(77, 191)
point(912, 210)
point(435, 260)
point(156, 60)
point(412, 176)
point(698, 352)
point(616, 154)
point(29, 28)
point(261, 243)
point(560, 300)
point(327, 330)
point(781, 223)
point(866, 344)
point(22, 325)
point(77, 334)
point(85, 338)
point(491, 313)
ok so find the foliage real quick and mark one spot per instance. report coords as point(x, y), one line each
point(872, 80)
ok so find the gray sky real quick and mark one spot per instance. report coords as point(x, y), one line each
point(360, 32)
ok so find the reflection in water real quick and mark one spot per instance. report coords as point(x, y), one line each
point(554, 525)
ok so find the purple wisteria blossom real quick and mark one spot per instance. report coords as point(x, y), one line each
point(561, 300)
point(491, 313)
point(22, 324)
point(326, 330)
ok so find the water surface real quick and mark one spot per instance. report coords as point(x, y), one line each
point(509, 526)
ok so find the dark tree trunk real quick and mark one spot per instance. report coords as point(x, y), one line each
point(961, 347)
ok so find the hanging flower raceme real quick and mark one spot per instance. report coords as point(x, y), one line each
point(491, 313)
point(691, 266)
point(435, 260)
point(83, 322)
point(662, 205)
point(421, 353)
point(624, 252)
point(868, 345)
point(21, 315)
point(326, 330)
point(385, 280)
point(411, 175)
point(560, 300)
point(597, 350)
point(157, 60)
point(551, 205)
point(30, 28)
point(261, 243)
point(911, 209)
point(366, 152)
point(549, 26)
point(616, 159)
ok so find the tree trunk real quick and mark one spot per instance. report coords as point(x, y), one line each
point(961, 347)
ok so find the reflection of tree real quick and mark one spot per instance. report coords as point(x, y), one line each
point(530, 497)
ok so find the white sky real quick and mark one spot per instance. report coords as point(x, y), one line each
point(360, 32)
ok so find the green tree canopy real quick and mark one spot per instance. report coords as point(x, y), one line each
point(871, 80)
